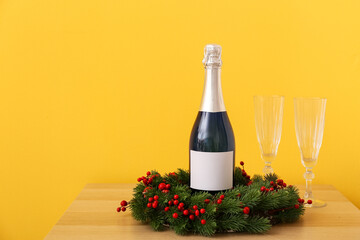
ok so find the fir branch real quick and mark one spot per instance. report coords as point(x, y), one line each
point(231, 222)
point(207, 229)
point(256, 224)
point(229, 206)
point(251, 197)
point(271, 177)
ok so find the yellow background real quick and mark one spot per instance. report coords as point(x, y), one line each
point(102, 91)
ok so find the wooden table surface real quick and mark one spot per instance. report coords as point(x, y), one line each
point(93, 216)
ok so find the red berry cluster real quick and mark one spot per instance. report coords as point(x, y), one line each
point(124, 205)
point(296, 206)
point(274, 186)
point(280, 183)
point(192, 213)
point(153, 202)
point(219, 201)
point(302, 201)
point(165, 188)
point(265, 190)
point(243, 172)
point(145, 191)
point(148, 179)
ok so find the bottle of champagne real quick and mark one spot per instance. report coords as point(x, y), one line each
point(212, 142)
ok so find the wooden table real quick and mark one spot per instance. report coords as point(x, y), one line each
point(93, 216)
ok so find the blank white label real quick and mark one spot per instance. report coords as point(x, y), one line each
point(211, 171)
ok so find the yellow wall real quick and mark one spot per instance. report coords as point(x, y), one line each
point(102, 91)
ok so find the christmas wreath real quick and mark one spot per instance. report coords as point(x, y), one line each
point(253, 205)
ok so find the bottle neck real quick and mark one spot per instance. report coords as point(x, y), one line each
point(212, 99)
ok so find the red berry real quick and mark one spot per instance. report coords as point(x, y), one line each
point(290, 186)
point(176, 196)
point(118, 209)
point(309, 201)
point(162, 186)
point(271, 189)
point(296, 206)
point(151, 199)
point(139, 179)
point(168, 186)
point(197, 213)
point(156, 197)
point(239, 195)
point(246, 210)
point(299, 200)
point(186, 212)
point(145, 181)
point(242, 163)
point(175, 215)
point(195, 207)
point(170, 202)
point(202, 211)
point(149, 205)
point(192, 217)
point(150, 181)
point(219, 201)
point(123, 203)
point(165, 191)
point(155, 204)
point(181, 204)
point(176, 202)
point(180, 208)
point(207, 201)
point(272, 183)
point(203, 221)
point(222, 197)
point(244, 173)
point(167, 209)
point(262, 188)
point(123, 209)
point(148, 173)
point(284, 184)
point(302, 200)
point(146, 189)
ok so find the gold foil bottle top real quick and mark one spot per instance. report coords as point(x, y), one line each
point(212, 56)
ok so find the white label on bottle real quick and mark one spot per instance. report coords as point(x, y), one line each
point(211, 171)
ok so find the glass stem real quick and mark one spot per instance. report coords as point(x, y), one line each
point(268, 169)
point(309, 176)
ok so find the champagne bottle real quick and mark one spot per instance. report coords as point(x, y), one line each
point(212, 142)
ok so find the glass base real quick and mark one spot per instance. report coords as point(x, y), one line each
point(316, 203)
point(268, 170)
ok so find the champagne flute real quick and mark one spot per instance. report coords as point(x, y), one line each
point(309, 127)
point(268, 122)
